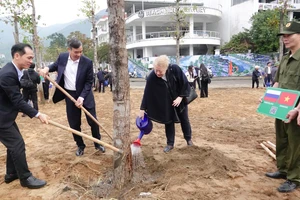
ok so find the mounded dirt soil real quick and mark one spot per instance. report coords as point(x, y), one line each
point(226, 162)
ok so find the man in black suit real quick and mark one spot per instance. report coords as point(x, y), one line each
point(31, 92)
point(75, 74)
point(11, 102)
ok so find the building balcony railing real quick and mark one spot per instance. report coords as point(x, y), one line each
point(171, 34)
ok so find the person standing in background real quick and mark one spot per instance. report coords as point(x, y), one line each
point(268, 74)
point(274, 71)
point(46, 83)
point(197, 78)
point(101, 79)
point(31, 92)
point(108, 77)
point(190, 75)
point(204, 81)
point(255, 76)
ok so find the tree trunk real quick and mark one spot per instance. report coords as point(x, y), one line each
point(95, 43)
point(280, 40)
point(178, 36)
point(282, 13)
point(121, 92)
point(36, 45)
point(16, 27)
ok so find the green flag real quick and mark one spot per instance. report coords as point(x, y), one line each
point(278, 102)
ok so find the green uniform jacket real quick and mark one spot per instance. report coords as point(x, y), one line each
point(288, 135)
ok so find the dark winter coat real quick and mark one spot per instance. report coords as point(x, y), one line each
point(255, 74)
point(158, 97)
point(34, 76)
point(100, 76)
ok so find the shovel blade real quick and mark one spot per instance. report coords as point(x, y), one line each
point(118, 160)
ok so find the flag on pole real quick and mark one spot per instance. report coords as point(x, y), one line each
point(278, 102)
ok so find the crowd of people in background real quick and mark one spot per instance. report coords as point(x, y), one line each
point(267, 75)
point(200, 75)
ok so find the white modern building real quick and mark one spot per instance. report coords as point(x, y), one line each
point(209, 24)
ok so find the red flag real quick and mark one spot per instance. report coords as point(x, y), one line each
point(287, 98)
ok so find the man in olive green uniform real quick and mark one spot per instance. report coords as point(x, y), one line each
point(288, 134)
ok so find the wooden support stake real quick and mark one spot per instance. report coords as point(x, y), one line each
point(270, 143)
point(270, 146)
point(268, 151)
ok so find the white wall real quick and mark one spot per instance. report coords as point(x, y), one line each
point(241, 17)
point(235, 18)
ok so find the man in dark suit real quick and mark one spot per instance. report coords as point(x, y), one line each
point(11, 102)
point(75, 74)
point(100, 76)
point(30, 93)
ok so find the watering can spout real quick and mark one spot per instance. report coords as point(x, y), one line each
point(137, 142)
point(145, 126)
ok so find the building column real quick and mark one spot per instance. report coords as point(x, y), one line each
point(134, 33)
point(191, 50)
point(204, 29)
point(290, 16)
point(133, 8)
point(134, 53)
point(144, 29)
point(192, 26)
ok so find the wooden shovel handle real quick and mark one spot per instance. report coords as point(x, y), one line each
point(86, 136)
point(81, 107)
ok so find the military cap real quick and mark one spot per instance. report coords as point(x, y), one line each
point(290, 28)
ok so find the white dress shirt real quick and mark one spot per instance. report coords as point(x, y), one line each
point(20, 72)
point(70, 74)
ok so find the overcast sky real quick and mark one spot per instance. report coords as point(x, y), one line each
point(61, 11)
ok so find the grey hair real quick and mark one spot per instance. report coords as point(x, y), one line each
point(162, 61)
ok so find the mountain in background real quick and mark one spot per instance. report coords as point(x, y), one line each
point(7, 39)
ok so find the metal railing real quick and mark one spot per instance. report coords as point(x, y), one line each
point(171, 34)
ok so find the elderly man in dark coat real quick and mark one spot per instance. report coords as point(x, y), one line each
point(163, 99)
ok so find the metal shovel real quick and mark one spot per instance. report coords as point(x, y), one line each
point(117, 161)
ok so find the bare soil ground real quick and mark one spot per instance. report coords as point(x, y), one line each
point(225, 163)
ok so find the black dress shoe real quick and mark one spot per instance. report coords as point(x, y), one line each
point(10, 177)
point(33, 183)
point(80, 151)
point(287, 186)
point(276, 175)
point(168, 148)
point(100, 148)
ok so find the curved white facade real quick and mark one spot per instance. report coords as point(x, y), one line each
point(209, 24)
point(150, 28)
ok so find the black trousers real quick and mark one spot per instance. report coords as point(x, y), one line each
point(16, 162)
point(74, 119)
point(204, 89)
point(269, 78)
point(31, 95)
point(193, 84)
point(255, 81)
point(198, 82)
point(46, 90)
point(185, 127)
point(101, 84)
